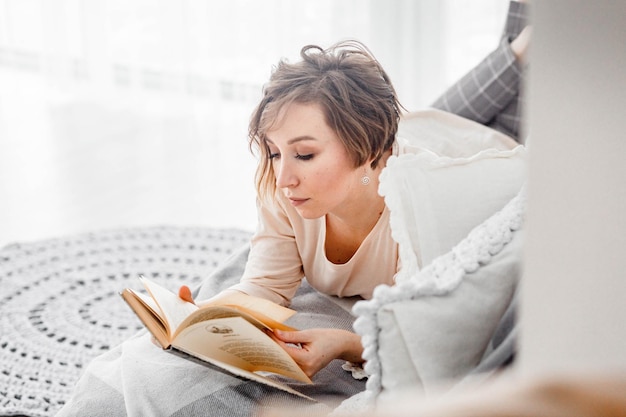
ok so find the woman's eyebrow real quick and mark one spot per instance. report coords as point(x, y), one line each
point(294, 140)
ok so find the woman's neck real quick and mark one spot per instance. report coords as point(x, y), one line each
point(345, 234)
point(363, 212)
point(346, 229)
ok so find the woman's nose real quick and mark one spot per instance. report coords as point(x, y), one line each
point(285, 175)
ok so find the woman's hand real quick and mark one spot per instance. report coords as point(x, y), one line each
point(313, 349)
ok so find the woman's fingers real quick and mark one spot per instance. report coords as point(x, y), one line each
point(289, 337)
point(185, 294)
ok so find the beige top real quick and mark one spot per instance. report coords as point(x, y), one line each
point(286, 248)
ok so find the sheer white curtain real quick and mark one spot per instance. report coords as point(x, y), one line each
point(207, 47)
point(122, 112)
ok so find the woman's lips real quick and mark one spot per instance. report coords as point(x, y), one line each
point(297, 201)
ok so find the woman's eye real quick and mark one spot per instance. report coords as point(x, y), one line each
point(276, 155)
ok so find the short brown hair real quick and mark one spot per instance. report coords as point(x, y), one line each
point(355, 93)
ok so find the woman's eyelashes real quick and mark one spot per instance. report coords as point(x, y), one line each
point(305, 157)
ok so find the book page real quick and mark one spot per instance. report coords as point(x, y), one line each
point(219, 311)
point(142, 306)
point(149, 302)
point(251, 303)
point(237, 342)
point(240, 372)
point(173, 309)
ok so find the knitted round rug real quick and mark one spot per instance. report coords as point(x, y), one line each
point(60, 305)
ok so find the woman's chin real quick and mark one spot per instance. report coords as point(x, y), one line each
point(309, 214)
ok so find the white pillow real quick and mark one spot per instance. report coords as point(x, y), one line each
point(436, 327)
point(440, 339)
point(459, 172)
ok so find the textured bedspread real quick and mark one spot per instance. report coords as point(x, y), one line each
point(59, 306)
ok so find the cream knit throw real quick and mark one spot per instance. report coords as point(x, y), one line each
point(59, 302)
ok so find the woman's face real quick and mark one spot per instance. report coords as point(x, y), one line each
point(311, 165)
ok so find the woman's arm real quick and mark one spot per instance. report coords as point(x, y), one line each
point(490, 93)
point(274, 268)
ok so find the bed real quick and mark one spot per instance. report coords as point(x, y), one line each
point(62, 319)
point(69, 345)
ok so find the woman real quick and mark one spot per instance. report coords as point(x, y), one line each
point(324, 129)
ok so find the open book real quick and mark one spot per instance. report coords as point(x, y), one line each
point(229, 333)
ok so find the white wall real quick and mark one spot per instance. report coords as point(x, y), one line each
point(574, 292)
